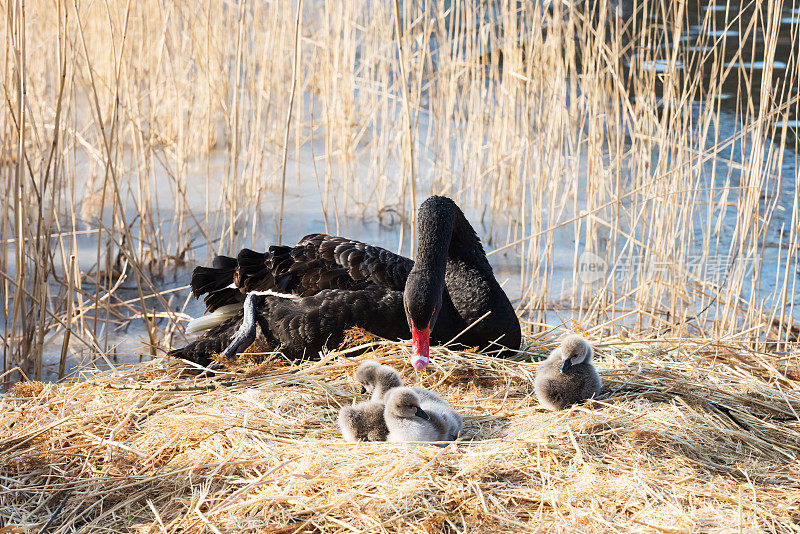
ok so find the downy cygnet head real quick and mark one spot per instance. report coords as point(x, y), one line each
point(574, 351)
point(404, 403)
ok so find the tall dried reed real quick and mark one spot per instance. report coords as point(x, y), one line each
point(156, 127)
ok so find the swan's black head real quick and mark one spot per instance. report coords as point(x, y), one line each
point(422, 299)
point(423, 293)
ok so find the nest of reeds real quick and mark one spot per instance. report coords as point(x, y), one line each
point(687, 436)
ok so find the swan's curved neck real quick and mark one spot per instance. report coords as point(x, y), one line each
point(444, 233)
point(435, 231)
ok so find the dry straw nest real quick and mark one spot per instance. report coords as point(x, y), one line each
point(687, 436)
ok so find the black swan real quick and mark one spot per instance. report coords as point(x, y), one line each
point(305, 297)
point(568, 375)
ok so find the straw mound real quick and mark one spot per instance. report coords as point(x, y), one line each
point(686, 437)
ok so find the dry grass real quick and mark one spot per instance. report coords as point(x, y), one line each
point(688, 436)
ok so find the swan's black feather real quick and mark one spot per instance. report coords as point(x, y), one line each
point(213, 342)
point(223, 297)
point(303, 327)
point(210, 279)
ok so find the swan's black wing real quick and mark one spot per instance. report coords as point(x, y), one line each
point(211, 343)
point(316, 263)
point(303, 326)
point(362, 262)
point(306, 325)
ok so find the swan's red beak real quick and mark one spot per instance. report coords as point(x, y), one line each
point(420, 347)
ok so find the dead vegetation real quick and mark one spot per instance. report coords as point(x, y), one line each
point(134, 132)
point(136, 136)
point(687, 436)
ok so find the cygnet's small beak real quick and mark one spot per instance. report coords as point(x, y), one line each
point(422, 413)
point(567, 364)
point(363, 390)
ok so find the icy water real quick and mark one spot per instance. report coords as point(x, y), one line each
point(742, 47)
point(127, 343)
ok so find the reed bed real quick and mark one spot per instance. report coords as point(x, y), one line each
point(688, 435)
point(140, 136)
